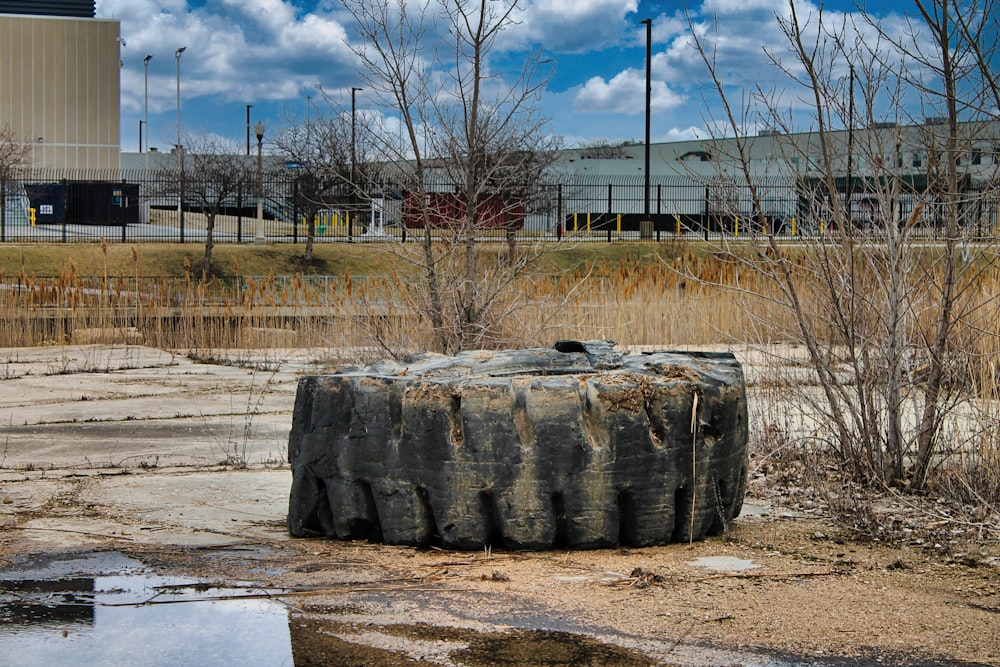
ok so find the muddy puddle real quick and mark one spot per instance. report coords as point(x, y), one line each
point(105, 608)
point(58, 615)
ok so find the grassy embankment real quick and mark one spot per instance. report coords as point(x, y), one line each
point(57, 292)
point(636, 294)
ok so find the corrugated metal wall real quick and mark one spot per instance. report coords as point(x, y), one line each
point(72, 8)
point(60, 89)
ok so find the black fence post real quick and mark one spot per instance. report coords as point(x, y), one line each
point(707, 218)
point(295, 212)
point(125, 206)
point(350, 220)
point(239, 213)
point(180, 207)
point(559, 212)
point(3, 210)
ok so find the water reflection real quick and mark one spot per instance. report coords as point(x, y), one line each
point(137, 619)
point(107, 609)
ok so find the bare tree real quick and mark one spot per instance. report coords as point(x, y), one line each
point(886, 320)
point(215, 172)
point(602, 149)
point(321, 151)
point(13, 152)
point(487, 141)
point(960, 56)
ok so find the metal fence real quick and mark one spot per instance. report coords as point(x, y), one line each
point(147, 207)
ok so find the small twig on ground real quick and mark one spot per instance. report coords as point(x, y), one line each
point(767, 575)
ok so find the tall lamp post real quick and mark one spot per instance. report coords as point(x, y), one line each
point(177, 57)
point(249, 106)
point(353, 128)
point(145, 102)
point(180, 148)
point(354, 190)
point(649, 91)
point(145, 115)
point(258, 130)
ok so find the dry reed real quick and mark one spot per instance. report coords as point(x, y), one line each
point(633, 303)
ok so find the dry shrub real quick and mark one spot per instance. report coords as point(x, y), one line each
point(637, 303)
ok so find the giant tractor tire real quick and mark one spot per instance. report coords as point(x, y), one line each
point(575, 447)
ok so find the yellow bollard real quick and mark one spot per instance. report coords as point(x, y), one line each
point(619, 228)
point(31, 216)
point(588, 223)
point(794, 221)
point(736, 227)
point(677, 222)
point(575, 228)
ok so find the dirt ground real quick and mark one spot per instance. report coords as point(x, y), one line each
point(179, 464)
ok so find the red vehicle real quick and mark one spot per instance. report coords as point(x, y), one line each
point(446, 210)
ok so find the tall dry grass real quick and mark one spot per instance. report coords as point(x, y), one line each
point(676, 301)
point(684, 299)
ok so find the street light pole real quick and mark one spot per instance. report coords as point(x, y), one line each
point(354, 191)
point(145, 114)
point(260, 238)
point(180, 148)
point(145, 103)
point(249, 106)
point(177, 57)
point(353, 127)
point(649, 90)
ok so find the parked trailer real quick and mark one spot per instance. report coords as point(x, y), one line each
point(445, 210)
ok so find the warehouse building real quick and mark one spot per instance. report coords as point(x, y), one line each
point(60, 83)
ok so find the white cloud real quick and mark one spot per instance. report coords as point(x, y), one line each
point(265, 13)
point(273, 52)
point(138, 10)
point(625, 93)
point(743, 7)
point(236, 49)
point(570, 26)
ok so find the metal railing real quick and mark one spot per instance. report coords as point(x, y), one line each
point(150, 207)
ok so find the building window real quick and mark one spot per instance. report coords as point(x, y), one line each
point(918, 159)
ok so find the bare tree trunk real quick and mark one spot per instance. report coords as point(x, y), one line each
point(310, 234)
point(940, 25)
point(433, 286)
point(206, 264)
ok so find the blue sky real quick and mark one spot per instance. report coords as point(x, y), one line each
point(273, 53)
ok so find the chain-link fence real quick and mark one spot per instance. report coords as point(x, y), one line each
point(155, 206)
